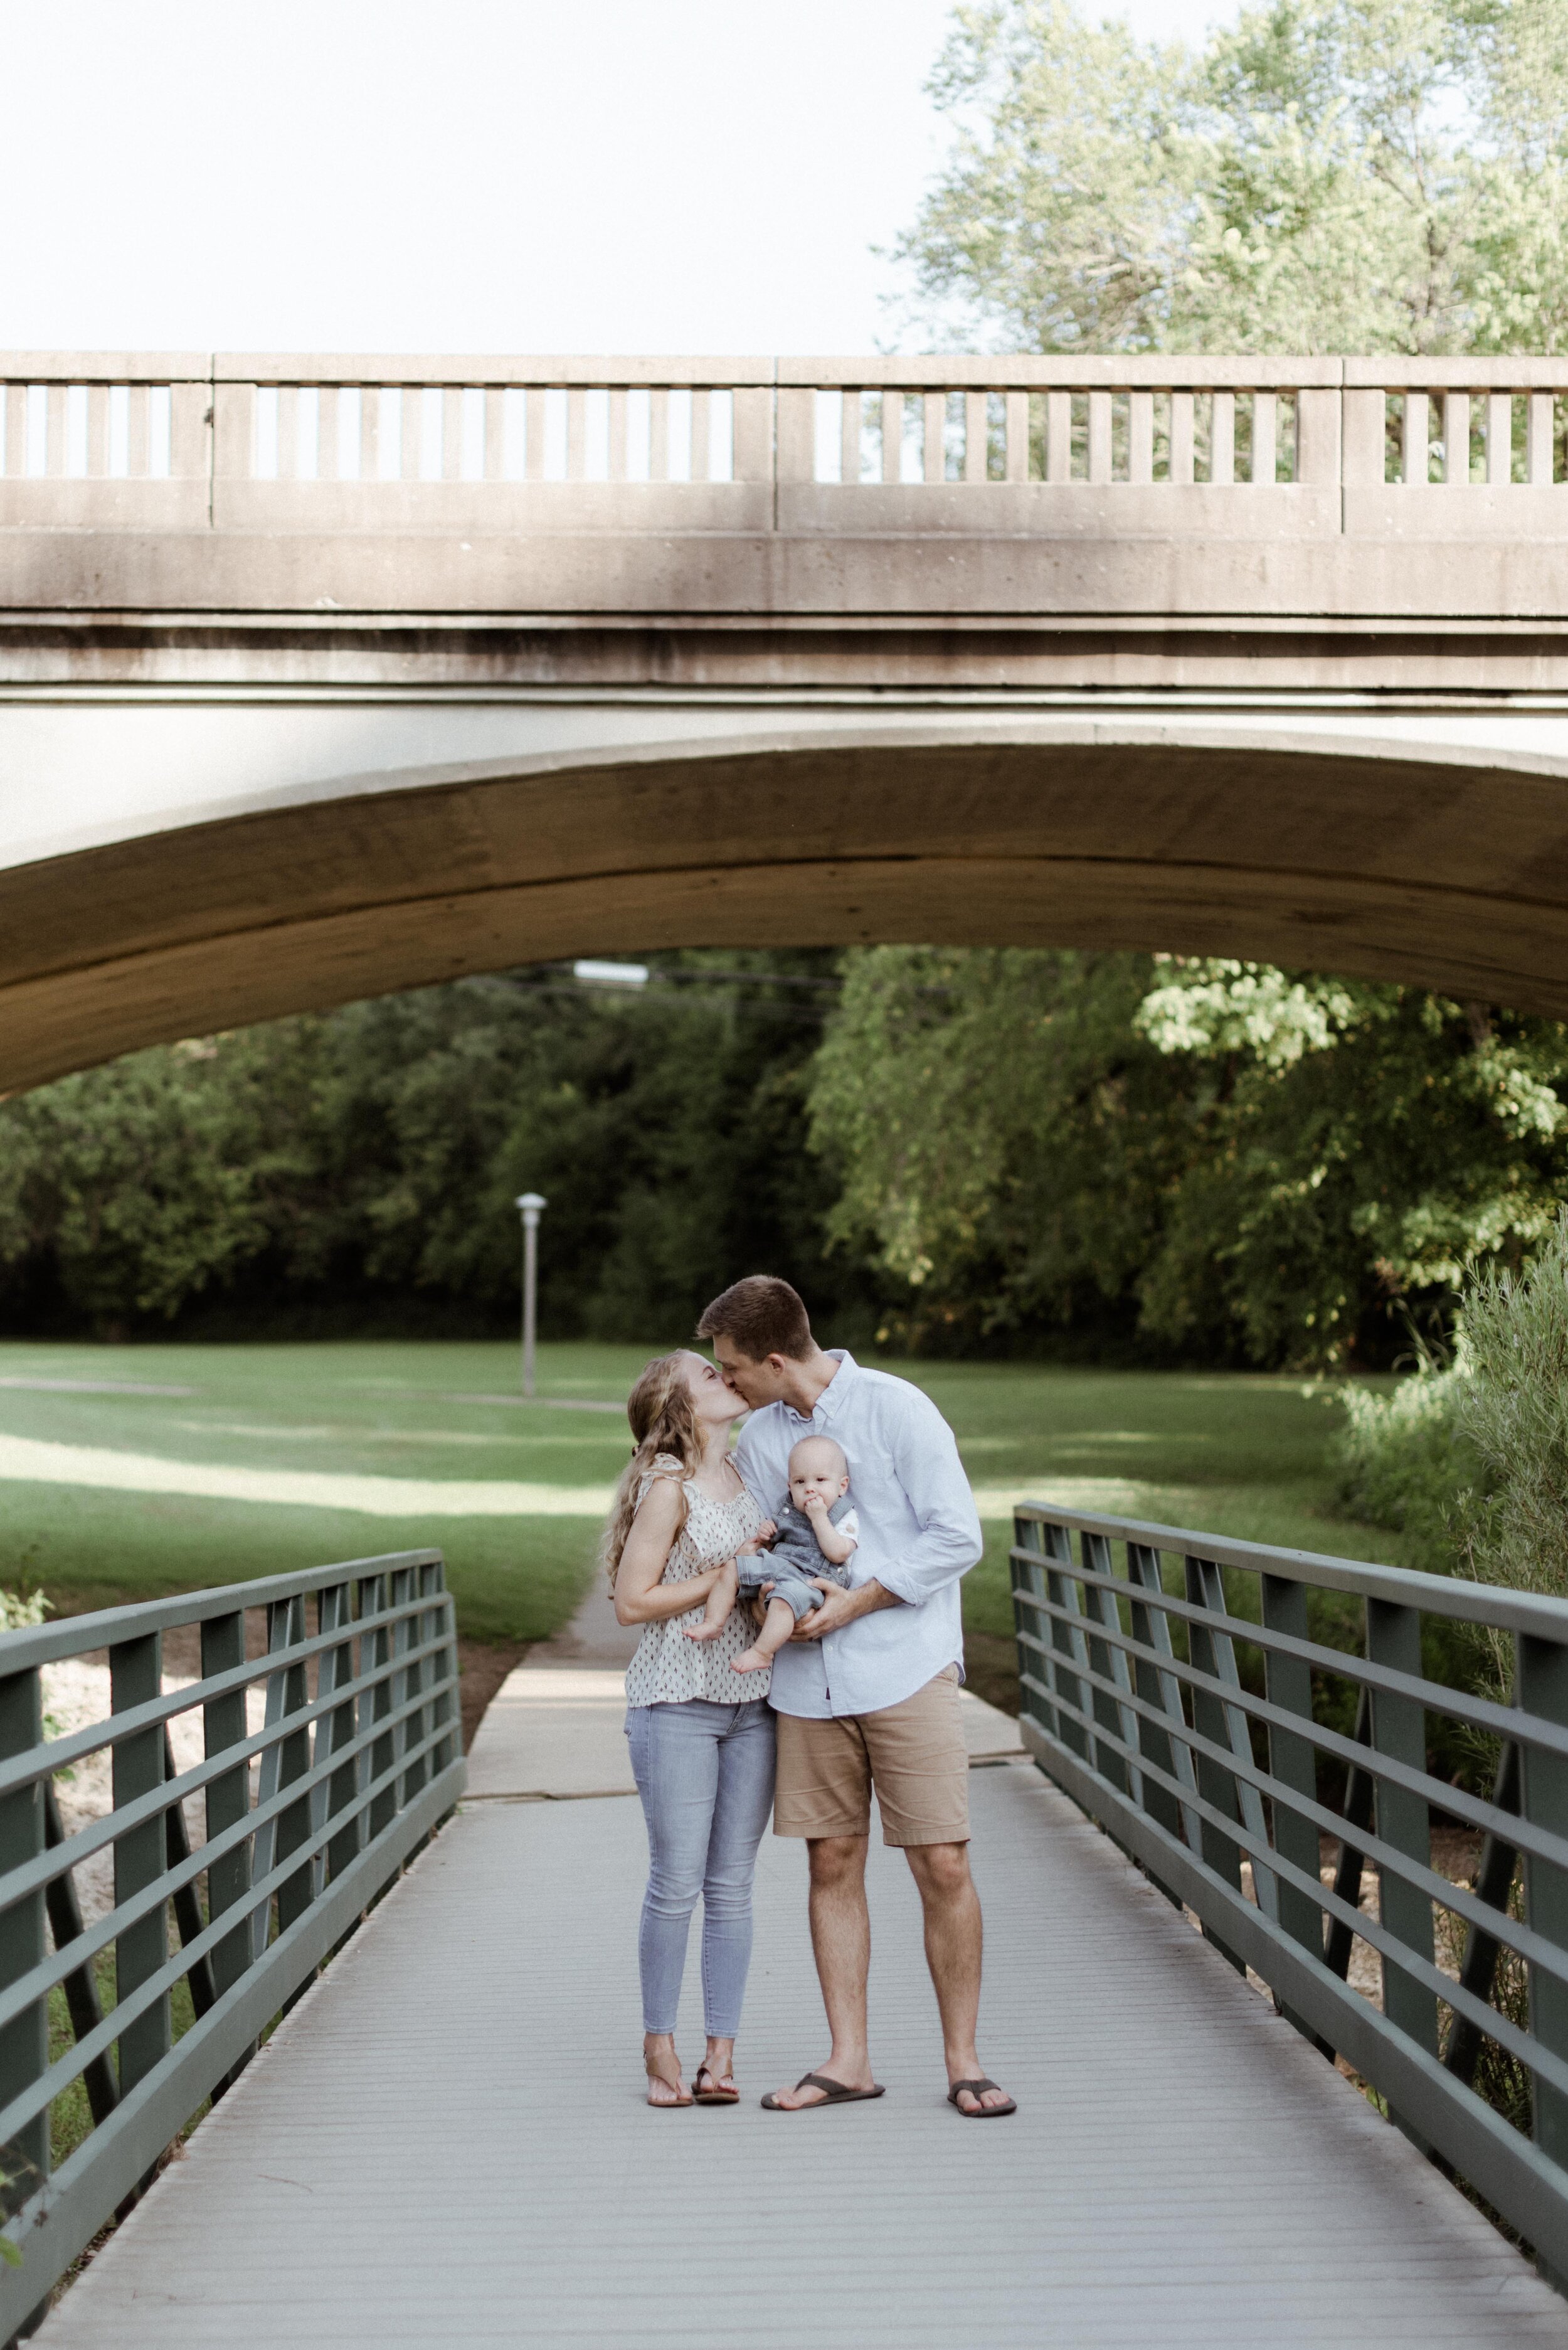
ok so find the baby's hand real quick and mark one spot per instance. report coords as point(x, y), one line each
point(815, 1506)
point(766, 1533)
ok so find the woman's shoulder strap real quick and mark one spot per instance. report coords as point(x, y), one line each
point(663, 1466)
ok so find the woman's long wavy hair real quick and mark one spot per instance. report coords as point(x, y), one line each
point(662, 1421)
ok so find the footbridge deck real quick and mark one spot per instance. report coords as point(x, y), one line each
point(446, 2142)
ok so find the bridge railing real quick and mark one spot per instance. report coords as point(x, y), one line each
point(264, 1784)
point(1253, 1726)
point(142, 429)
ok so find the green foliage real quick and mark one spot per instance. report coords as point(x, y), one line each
point(1327, 175)
point(1514, 1411)
point(137, 1181)
point(1471, 1463)
point(1357, 1146)
point(1001, 1134)
point(1403, 1461)
point(371, 1156)
point(1239, 1163)
point(20, 1608)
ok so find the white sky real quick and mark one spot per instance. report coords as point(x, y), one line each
point(532, 176)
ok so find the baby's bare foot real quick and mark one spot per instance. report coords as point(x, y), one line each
point(706, 1631)
point(749, 1660)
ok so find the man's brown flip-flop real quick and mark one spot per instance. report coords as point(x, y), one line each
point(835, 2094)
point(981, 2112)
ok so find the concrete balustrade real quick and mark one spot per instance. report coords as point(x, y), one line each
point(1288, 486)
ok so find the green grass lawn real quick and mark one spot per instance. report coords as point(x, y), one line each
point(1231, 1453)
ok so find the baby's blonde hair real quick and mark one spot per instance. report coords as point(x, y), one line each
point(829, 1444)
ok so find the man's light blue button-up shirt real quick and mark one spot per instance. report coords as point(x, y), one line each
point(919, 1533)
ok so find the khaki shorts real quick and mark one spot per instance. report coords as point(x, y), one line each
point(913, 1755)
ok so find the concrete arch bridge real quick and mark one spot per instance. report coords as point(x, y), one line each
point(321, 677)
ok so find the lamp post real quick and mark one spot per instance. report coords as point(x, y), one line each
point(530, 1203)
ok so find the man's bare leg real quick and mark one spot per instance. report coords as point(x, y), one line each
point(954, 1938)
point(841, 1940)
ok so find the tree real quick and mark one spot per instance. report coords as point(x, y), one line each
point(1327, 175)
point(1355, 1146)
point(131, 1188)
point(354, 1164)
point(1215, 1158)
point(1001, 1134)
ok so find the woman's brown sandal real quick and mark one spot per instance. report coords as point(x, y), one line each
point(666, 2105)
point(715, 2094)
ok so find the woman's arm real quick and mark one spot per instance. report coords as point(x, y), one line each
point(639, 1597)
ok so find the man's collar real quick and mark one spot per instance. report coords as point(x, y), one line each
point(831, 1400)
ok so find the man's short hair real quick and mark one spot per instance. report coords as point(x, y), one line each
point(764, 1316)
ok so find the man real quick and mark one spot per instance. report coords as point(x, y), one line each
point(867, 1692)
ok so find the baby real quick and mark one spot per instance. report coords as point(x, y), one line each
point(814, 1534)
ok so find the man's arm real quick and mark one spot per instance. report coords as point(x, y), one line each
point(925, 1458)
point(840, 1606)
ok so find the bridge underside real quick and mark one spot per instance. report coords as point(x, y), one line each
point(1285, 840)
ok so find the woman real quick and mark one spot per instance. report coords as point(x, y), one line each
point(701, 1737)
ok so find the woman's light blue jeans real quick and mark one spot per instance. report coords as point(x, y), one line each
point(705, 1773)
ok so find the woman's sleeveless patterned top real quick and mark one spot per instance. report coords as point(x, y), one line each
point(668, 1669)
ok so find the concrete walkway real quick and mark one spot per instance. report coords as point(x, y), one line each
point(446, 2143)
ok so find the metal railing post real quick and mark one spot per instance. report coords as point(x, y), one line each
point(80, 1986)
point(1064, 1590)
point(335, 1730)
point(187, 1918)
point(1351, 1866)
point(1541, 1687)
point(1287, 1681)
point(1109, 1660)
point(1215, 1783)
point(1404, 1821)
point(447, 1708)
point(1156, 1684)
point(228, 1802)
point(294, 1822)
point(24, 2043)
point(1494, 1883)
point(135, 1676)
point(1029, 1581)
point(376, 1702)
point(401, 1582)
point(417, 1678)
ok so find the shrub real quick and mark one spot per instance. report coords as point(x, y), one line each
point(1405, 1460)
point(1513, 1414)
point(20, 1608)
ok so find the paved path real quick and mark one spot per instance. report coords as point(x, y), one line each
point(446, 2144)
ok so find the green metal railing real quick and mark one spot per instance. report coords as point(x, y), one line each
point(307, 1819)
point(1190, 1711)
